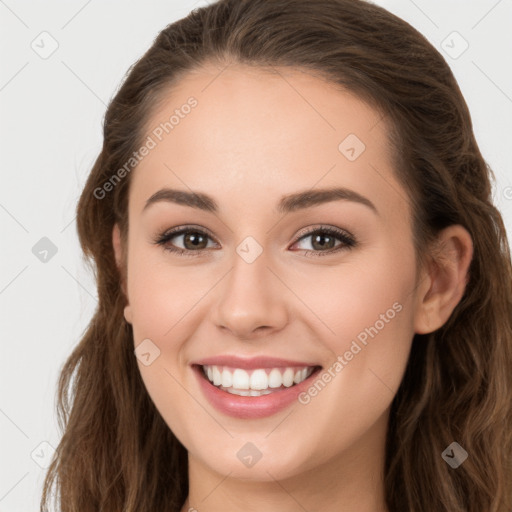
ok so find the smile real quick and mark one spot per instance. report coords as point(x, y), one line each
point(250, 390)
point(258, 382)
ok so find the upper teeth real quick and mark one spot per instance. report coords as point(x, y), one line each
point(259, 379)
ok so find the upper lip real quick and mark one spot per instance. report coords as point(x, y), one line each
point(251, 363)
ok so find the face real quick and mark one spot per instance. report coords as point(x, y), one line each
point(271, 284)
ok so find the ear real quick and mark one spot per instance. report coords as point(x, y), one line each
point(121, 262)
point(444, 282)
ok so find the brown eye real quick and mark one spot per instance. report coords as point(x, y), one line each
point(193, 241)
point(323, 241)
point(320, 241)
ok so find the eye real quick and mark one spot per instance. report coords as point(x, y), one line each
point(323, 240)
point(193, 239)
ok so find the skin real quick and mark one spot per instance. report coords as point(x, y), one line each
point(252, 139)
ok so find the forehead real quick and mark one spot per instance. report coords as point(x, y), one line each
point(264, 130)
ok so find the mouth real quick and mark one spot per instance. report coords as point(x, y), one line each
point(245, 393)
point(256, 382)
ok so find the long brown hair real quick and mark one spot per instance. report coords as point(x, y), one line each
point(117, 454)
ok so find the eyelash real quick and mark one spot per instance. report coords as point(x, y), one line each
point(348, 241)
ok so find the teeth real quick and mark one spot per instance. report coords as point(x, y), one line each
point(227, 379)
point(300, 375)
point(240, 379)
point(250, 392)
point(275, 380)
point(255, 382)
point(217, 377)
point(259, 380)
point(288, 377)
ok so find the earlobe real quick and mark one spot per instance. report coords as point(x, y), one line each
point(446, 279)
point(128, 316)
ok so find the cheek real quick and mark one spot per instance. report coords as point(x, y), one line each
point(368, 293)
point(161, 294)
point(369, 308)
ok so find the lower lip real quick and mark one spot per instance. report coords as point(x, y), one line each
point(250, 407)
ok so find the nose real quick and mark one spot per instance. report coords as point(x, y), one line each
point(253, 300)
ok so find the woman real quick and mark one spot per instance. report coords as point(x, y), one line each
point(304, 286)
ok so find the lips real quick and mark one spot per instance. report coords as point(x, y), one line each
point(257, 387)
point(251, 363)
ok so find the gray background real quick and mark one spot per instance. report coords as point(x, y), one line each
point(51, 110)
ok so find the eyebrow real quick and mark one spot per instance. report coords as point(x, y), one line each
point(288, 203)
